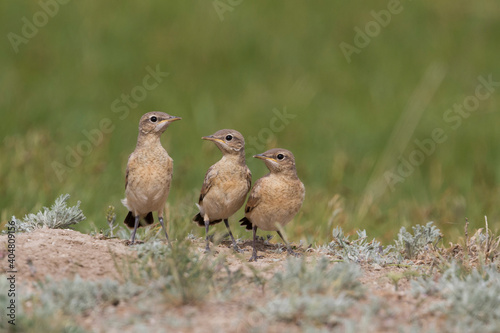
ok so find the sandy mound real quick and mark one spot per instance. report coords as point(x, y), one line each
point(64, 254)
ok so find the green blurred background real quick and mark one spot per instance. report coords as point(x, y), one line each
point(230, 64)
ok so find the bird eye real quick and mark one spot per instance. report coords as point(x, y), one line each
point(280, 157)
point(229, 137)
point(153, 119)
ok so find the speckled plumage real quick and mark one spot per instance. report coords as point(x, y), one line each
point(275, 198)
point(226, 183)
point(149, 172)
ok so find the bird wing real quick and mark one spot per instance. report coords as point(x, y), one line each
point(126, 178)
point(207, 183)
point(249, 177)
point(127, 171)
point(254, 198)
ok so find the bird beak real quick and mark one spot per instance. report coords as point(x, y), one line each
point(212, 138)
point(264, 157)
point(165, 122)
point(170, 120)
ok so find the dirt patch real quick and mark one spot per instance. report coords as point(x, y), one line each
point(63, 254)
point(67, 253)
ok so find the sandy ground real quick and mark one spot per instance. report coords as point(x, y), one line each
point(66, 253)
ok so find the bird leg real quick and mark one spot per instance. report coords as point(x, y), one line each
point(288, 247)
point(207, 225)
point(136, 225)
point(254, 256)
point(164, 229)
point(235, 246)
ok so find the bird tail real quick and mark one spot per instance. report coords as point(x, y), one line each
point(246, 223)
point(149, 218)
point(125, 203)
point(198, 218)
point(130, 220)
point(201, 222)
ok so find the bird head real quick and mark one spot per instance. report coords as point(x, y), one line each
point(278, 160)
point(156, 122)
point(229, 141)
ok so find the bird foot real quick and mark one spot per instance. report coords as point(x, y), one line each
point(130, 243)
point(293, 253)
point(207, 250)
point(254, 257)
point(237, 249)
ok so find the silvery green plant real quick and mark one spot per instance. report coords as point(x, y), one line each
point(356, 250)
point(471, 300)
point(315, 308)
point(423, 237)
point(21, 226)
point(179, 274)
point(45, 314)
point(153, 249)
point(75, 296)
point(59, 216)
point(323, 278)
point(314, 294)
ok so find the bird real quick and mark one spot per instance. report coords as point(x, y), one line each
point(226, 183)
point(149, 173)
point(275, 198)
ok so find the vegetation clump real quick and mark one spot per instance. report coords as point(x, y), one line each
point(59, 216)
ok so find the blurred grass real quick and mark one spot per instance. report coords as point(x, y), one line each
point(232, 74)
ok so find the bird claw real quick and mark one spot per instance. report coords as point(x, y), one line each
point(135, 242)
point(293, 253)
point(254, 257)
point(237, 249)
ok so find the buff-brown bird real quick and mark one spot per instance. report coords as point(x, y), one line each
point(226, 184)
point(149, 173)
point(275, 198)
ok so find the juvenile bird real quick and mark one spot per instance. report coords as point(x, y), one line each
point(226, 184)
point(275, 198)
point(149, 173)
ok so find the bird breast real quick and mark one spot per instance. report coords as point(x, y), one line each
point(149, 177)
point(280, 200)
point(227, 193)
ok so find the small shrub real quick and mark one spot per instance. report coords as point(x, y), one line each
point(316, 308)
point(357, 250)
point(315, 294)
point(111, 219)
point(411, 245)
point(44, 317)
point(59, 216)
point(298, 278)
point(181, 275)
point(77, 295)
point(471, 300)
